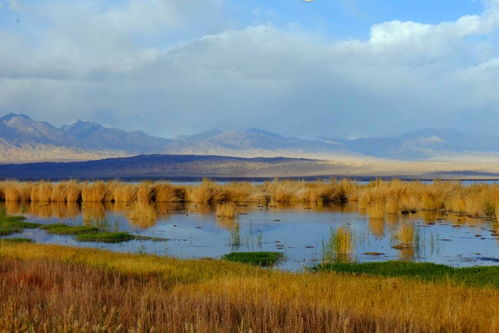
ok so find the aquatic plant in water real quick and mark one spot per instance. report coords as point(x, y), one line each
point(255, 258)
point(340, 245)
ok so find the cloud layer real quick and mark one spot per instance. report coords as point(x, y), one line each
point(171, 67)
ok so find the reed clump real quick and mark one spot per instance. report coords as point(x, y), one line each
point(73, 191)
point(204, 193)
point(340, 245)
point(41, 192)
point(343, 240)
point(14, 191)
point(93, 192)
point(125, 192)
point(165, 192)
point(146, 193)
point(59, 192)
point(227, 210)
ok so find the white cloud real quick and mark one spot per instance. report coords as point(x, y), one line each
point(164, 66)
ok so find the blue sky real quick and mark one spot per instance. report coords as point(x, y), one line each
point(326, 68)
point(342, 19)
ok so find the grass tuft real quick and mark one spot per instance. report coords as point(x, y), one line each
point(255, 258)
point(14, 224)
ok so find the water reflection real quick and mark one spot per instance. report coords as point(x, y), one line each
point(377, 227)
point(91, 211)
point(142, 215)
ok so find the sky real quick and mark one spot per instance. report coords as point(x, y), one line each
point(335, 68)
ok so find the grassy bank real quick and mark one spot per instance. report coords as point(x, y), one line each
point(473, 276)
point(54, 288)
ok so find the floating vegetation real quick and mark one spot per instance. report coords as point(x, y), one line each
point(14, 224)
point(255, 258)
point(104, 236)
point(64, 229)
point(93, 234)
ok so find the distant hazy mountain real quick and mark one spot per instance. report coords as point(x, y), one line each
point(252, 141)
point(20, 129)
point(23, 139)
point(421, 144)
point(94, 136)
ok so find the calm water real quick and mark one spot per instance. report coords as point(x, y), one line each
point(305, 234)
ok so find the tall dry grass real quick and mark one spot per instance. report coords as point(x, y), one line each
point(343, 241)
point(125, 193)
point(146, 192)
point(53, 288)
point(165, 192)
point(93, 192)
point(378, 198)
point(16, 191)
point(227, 210)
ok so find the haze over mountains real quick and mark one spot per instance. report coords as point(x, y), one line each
point(23, 139)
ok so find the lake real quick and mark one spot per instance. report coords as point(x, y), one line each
point(306, 234)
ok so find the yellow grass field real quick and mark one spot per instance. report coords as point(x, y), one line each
point(48, 288)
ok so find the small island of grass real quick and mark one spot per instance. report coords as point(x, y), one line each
point(255, 258)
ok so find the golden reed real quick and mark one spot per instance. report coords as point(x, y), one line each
point(378, 199)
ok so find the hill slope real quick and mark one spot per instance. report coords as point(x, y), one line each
point(170, 166)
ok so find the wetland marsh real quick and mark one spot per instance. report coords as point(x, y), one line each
point(333, 222)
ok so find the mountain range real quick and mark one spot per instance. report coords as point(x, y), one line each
point(23, 139)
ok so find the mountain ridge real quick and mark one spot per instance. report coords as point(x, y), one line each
point(23, 139)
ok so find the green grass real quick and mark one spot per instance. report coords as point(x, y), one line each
point(87, 233)
point(473, 276)
point(14, 224)
point(104, 236)
point(64, 229)
point(255, 258)
point(17, 240)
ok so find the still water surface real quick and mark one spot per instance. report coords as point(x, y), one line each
point(306, 234)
